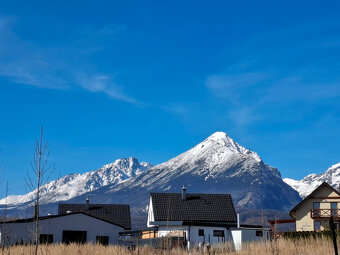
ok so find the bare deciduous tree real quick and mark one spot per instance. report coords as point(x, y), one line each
point(41, 170)
point(4, 230)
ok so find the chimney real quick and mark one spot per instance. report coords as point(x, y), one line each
point(87, 204)
point(238, 220)
point(184, 193)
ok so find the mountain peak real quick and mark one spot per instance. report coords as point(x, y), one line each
point(73, 185)
point(228, 143)
point(306, 185)
point(219, 135)
point(334, 167)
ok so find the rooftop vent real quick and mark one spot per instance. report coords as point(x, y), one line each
point(184, 193)
point(87, 205)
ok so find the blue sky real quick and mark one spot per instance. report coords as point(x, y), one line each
point(150, 79)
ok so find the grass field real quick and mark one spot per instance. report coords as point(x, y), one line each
point(321, 246)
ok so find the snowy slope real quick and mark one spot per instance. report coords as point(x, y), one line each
point(216, 165)
point(306, 185)
point(73, 185)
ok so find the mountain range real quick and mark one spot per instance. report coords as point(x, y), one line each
point(306, 185)
point(216, 165)
point(73, 185)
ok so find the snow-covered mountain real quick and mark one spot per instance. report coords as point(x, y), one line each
point(73, 185)
point(306, 185)
point(216, 165)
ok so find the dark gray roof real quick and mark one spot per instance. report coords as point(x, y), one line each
point(116, 214)
point(203, 208)
point(41, 218)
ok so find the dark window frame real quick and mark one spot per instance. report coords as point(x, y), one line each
point(74, 236)
point(45, 238)
point(334, 211)
point(316, 203)
point(103, 240)
point(218, 233)
point(259, 233)
point(319, 225)
point(316, 209)
point(201, 232)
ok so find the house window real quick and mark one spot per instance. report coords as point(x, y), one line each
point(219, 233)
point(259, 233)
point(201, 232)
point(334, 209)
point(317, 226)
point(103, 240)
point(70, 236)
point(46, 238)
point(316, 209)
point(336, 225)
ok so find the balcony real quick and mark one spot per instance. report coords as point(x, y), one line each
point(324, 213)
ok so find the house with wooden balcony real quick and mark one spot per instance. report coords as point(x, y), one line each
point(315, 211)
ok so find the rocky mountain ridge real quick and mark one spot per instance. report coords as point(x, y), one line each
point(307, 184)
point(216, 165)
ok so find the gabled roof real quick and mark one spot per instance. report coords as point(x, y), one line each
point(51, 217)
point(202, 208)
point(113, 213)
point(322, 185)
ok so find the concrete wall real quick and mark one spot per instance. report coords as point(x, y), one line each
point(304, 222)
point(19, 232)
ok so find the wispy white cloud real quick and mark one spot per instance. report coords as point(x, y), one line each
point(60, 66)
point(104, 84)
point(246, 94)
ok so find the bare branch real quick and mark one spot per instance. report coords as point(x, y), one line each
point(41, 173)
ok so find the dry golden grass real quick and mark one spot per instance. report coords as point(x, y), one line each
point(321, 246)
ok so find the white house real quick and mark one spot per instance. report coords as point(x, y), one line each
point(118, 214)
point(63, 228)
point(200, 218)
point(95, 223)
point(246, 234)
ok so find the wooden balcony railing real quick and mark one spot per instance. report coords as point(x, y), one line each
point(324, 213)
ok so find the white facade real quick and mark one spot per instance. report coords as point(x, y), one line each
point(23, 232)
point(196, 234)
point(150, 214)
point(241, 236)
point(213, 233)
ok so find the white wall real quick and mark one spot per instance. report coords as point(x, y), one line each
point(79, 222)
point(237, 239)
point(249, 235)
point(191, 233)
point(243, 235)
point(150, 214)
